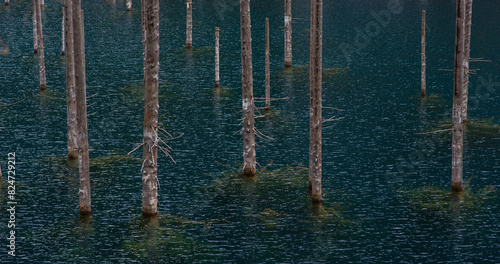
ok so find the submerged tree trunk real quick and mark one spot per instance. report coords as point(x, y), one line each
point(268, 75)
point(70, 83)
point(41, 54)
point(189, 24)
point(315, 77)
point(150, 128)
point(35, 34)
point(468, 25)
point(422, 56)
point(217, 63)
point(81, 106)
point(63, 33)
point(129, 5)
point(459, 83)
point(7, 2)
point(249, 161)
point(288, 33)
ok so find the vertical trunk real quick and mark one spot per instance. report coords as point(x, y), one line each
point(423, 92)
point(41, 55)
point(81, 106)
point(42, 3)
point(217, 63)
point(268, 81)
point(70, 82)
point(249, 162)
point(7, 2)
point(151, 107)
point(129, 5)
point(459, 83)
point(288, 33)
point(315, 76)
point(468, 25)
point(63, 33)
point(189, 25)
point(35, 34)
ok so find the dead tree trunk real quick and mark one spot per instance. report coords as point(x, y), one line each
point(249, 161)
point(150, 128)
point(288, 33)
point(42, 3)
point(189, 24)
point(422, 90)
point(315, 125)
point(41, 55)
point(217, 63)
point(70, 83)
point(63, 33)
point(81, 106)
point(129, 5)
point(459, 83)
point(7, 2)
point(468, 25)
point(35, 34)
point(268, 75)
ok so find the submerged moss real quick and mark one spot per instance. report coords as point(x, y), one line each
point(103, 162)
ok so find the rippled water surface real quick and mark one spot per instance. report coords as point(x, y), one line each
point(385, 181)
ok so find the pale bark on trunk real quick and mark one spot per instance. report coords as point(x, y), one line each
point(189, 24)
point(81, 106)
point(422, 56)
point(63, 32)
point(129, 5)
point(315, 77)
point(459, 83)
point(42, 3)
point(70, 83)
point(288, 33)
point(468, 25)
point(41, 54)
point(151, 107)
point(35, 34)
point(268, 74)
point(249, 160)
point(217, 62)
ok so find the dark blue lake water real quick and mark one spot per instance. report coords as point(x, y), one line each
point(385, 181)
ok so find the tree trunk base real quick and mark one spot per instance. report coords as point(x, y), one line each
point(288, 64)
point(249, 172)
point(316, 199)
point(43, 87)
point(457, 187)
point(189, 46)
point(85, 211)
point(149, 214)
point(217, 85)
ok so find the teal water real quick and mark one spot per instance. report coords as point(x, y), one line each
point(376, 161)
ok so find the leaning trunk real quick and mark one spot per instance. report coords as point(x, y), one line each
point(468, 25)
point(41, 55)
point(70, 82)
point(150, 128)
point(459, 83)
point(315, 78)
point(189, 24)
point(249, 162)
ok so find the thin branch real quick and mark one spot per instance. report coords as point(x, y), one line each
point(140, 145)
point(92, 95)
point(332, 119)
point(261, 135)
point(328, 107)
point(437, 131)
point(12, 103)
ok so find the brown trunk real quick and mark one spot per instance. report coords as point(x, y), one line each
point(315, 76)
point(7, 2)
point(70, 83)
point(35, 34)
point(249, 161)
point(150, 127)
point(129, 5)
point(63, 33)
point(468, 25)
point(459, 83)
point(81, 106)
point(217, 63)
point(288, 33)
point(41, 54)
point(422, 91)
point(268, 75)
point(189, 24)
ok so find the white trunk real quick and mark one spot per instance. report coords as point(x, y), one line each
point(35, 34)
point(41, 54)
point(288, 33)
point(129, 5)
point(217, 63)
point(468, 25)
point(63, 33)
point(189, 24)
point(422, 58)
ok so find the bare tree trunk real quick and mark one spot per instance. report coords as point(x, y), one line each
point(457, 135)
point(70, 83)
point(217, 62)
point(81, 106)
point(150, 128)
point(423, 92)
point(315, 125)
point(129, 5)
point(35, 34)
point(288, 33)
point(7, 2)
point(63, 33)
point(41, 55)
point(189, 24)
point(268, 75)
point(468, 25)
point(249, 161)
point(42, 3)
